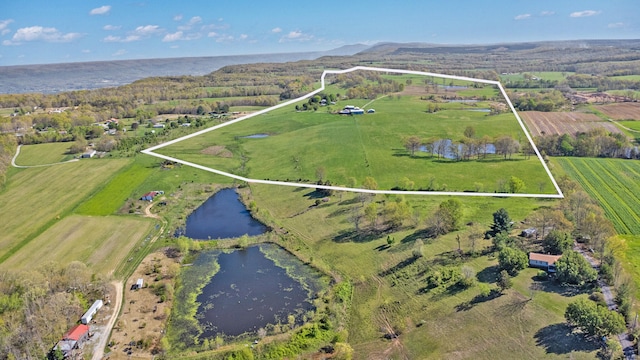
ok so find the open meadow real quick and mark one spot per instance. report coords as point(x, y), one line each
point(102, 243)
point(391, 286)
point(36, 198)
point(293, 145)
point(43, 154)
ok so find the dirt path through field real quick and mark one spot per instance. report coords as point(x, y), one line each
point(102, 343)
point(13, 161)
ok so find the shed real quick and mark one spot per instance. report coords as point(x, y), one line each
point(139, 283)
point(149, 196)
point(543, 261)
point(371, 111)
point(530, 232)
point(86, 318)
point(158, 126)
point(89, 154)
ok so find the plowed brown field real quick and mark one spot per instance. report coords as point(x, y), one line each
point(550, 123)
point(621, 111)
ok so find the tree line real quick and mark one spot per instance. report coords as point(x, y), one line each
point(596, 142)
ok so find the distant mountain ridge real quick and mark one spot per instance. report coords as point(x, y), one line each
point(55, 78)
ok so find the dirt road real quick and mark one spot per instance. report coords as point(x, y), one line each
point(102, 342)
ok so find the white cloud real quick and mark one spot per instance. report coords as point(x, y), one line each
point(173, 37)
point(547, 13)
point(86, 51)
point(296, 36)
point(119, 52)
point(177, 17)
point(39, 33)
point(195, 20)
point(584, 13)
point(5, 32)
point(4, 24)
point(276, 30)
point(128, 38)
point(147, 30)
point(102, 10)
point(243, 36)
point(522, 17)
point(111, 27)
point(8, 43)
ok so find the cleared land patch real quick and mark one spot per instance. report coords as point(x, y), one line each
point(36, 198)
point(100, 242)
point(300, 143)
point(558, 123)
point(621, 111)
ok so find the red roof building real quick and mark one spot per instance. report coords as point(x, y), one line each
point(79, 333)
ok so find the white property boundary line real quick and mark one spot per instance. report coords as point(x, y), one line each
point(559, 195)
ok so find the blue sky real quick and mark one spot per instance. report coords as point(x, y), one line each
point(46, 31)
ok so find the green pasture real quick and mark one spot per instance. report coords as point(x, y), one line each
point(614, 183)
point(631, 124)
point(388, 288)
point(545, 75)
point(366, 145)
point(102, 243)
point(36, 198)
point(114, 193)
point(626, 77)
point(42, 154)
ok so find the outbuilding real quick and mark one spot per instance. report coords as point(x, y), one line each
point(86, 318)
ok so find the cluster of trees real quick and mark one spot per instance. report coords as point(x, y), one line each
point(366, 84)
point(466, 148)
point(596, 142)
point(549, 100)
point(314, 102)
point(38, 306)
point(594, 319)
point(601, 83)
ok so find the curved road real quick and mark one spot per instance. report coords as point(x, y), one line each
point(104, 337)
point(627, 346)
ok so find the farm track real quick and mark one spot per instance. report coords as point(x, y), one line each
point(102, 343)
point(605, 182)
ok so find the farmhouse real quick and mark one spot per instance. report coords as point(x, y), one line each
point(351, 110)
point(86, 318)
point(158, 126)
point(543, 261)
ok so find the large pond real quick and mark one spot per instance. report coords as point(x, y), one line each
point(251, 290)
point(222, 216)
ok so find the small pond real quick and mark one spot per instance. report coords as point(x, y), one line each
point(222, 216)
point(448, 154)
point(256, 136)
point(251, 291)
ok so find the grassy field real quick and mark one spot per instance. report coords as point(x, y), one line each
point(360, 146)
point(36, 198)
point(435, 324)
point(114, 193)
point(546, 75)
point(42, 154)
point(614, 183)
point(100, 242)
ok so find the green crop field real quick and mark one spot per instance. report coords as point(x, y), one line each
point(117, 191)
point(100, 242)
point(368, 145)
point(36, 198)
point(42, 154)
point(614, 183)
